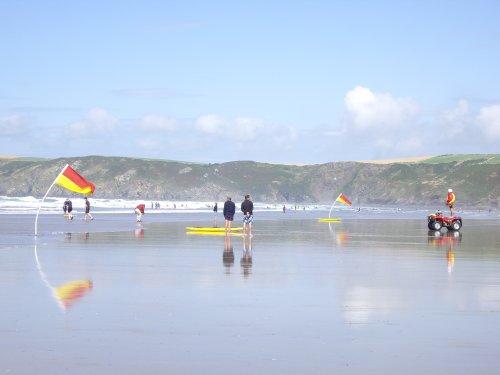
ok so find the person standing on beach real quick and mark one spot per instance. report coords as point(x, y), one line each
point(215, 215)
point(68, 208)
point(247, 209)
point(450, 201)
point(228, 212)
point(139, 211)
point(87, 209)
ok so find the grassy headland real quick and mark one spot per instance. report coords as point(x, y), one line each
point(413, 182)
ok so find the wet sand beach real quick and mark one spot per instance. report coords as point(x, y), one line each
point(376, 295)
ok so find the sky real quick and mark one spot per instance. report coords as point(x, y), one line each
point(291, 82)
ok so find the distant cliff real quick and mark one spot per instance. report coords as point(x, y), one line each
point(475, 179)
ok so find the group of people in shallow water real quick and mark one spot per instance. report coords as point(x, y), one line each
point(68, 209)
point(229, 211)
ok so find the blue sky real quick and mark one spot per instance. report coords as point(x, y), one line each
point(294, 82)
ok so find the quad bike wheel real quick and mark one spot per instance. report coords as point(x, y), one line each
point(455, 225)
point(435, 225)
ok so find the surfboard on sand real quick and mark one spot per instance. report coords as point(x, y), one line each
point(329, 219)
point(213, 233)
point(211, 229)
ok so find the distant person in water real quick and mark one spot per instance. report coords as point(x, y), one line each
point(68, 208)
point(87, 209)
point(215, 215)
point(228, 212)
point(139, 211)
point(247, 209)
point(450, 201)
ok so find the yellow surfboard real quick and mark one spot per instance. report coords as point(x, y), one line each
point(212, 233)
point(211, 229)
point(329, 220)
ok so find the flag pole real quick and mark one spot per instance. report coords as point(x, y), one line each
point(331, 208)
point(45, 196)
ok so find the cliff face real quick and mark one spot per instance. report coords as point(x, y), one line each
point(475, 179)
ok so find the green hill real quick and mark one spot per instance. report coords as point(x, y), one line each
point(480, 158)
point(474, 178)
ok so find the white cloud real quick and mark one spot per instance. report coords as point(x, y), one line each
point(457, 120)
point(247, 128)
point(366, 110)
point(158, 123)
point(381, 124)
point(97, 122)
point(488, 121)
point(458, 113)
point(211, 124)
point(12, 125)
point(240, 128)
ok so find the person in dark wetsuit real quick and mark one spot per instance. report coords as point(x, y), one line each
point(87, 209)
point(228, 212)
point(68, 208)
point(247, 209)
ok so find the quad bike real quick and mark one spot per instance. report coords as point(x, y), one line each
point(438, 220)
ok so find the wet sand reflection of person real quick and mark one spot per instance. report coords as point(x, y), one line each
point(246, 258)
point(139, 233)
point(228, 255)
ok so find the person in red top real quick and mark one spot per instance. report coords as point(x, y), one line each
point(450, 201)
point(139, 211)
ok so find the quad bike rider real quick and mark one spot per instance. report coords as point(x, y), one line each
point(450, 201)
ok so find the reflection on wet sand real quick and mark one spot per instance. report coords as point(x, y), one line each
point(72, 291)
point(448, 240)
point(69, 236)
point(384, 302)
point(246, 258)
point(139, 233)
point(228, 255)
point(341, 237)
point(69, 292)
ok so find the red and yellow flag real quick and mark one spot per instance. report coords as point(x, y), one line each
point(71, 180)
point(343, 199)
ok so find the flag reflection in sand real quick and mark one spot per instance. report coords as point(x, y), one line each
point(341, 237)
point(72, 291)
point(65, 294)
